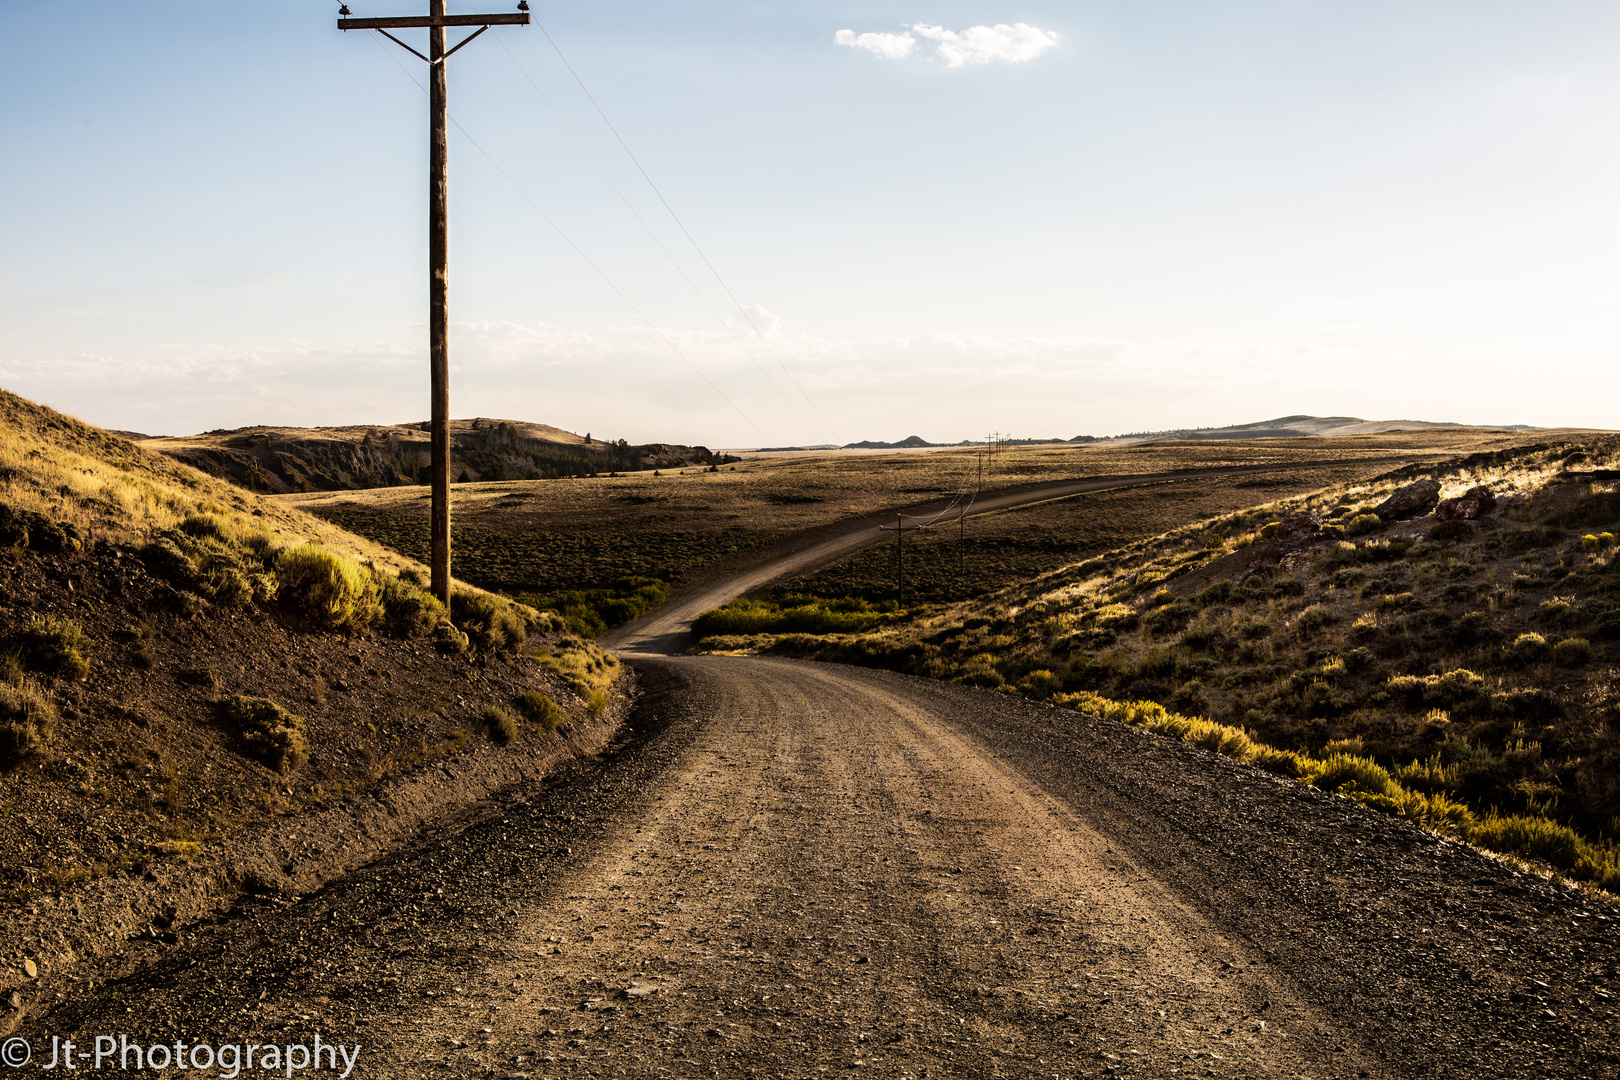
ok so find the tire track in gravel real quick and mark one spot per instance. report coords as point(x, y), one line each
point(830, 880)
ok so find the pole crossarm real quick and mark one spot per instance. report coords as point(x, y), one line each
point(410, 22)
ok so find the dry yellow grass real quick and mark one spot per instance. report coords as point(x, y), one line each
point(110, 488)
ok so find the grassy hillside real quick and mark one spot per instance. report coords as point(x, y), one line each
point(1460, 672)
point(181, 660)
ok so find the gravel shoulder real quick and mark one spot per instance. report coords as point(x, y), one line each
point(790, 869)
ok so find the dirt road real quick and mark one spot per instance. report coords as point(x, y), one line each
point(797, 870)
point(666, 630)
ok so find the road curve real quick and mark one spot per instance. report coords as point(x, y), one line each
point(802, 870)
point(667, 630)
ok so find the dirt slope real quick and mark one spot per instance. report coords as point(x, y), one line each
point(803, 869)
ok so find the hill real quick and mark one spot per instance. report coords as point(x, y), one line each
point(204, 696)
point(281, 460)
point(1293, 427)
point(1438, 643)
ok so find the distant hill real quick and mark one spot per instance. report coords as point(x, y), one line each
point(1294, 427)
point(910, 442)
point(281, 459)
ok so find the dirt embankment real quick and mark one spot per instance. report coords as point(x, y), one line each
point(142, 807)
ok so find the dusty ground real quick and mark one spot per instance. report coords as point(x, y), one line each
point(797, 870)
point(146, 809)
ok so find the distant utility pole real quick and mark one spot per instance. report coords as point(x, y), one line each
point(435, 22)
point(899, 557)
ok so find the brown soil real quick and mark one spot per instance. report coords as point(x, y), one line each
point(146, 811)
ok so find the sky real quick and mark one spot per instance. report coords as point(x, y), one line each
point(870, 220)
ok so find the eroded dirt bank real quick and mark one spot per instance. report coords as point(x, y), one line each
point(792, 869)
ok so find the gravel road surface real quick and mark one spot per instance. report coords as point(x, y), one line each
point(801, 870)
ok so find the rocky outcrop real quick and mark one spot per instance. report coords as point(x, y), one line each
point(1413, 500)
point(345, 459)
point(1476, 502)
point(1296, 527)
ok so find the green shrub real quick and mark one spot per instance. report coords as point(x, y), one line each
point(1117, 617)
point(327, 588)
point(204, 526)
point(1555, 612)
point(1529, 649)
point(1191, 698)
point(494, 623)
point(1439, 691)
point(271, 733)
point(588, 670)
point(1451, 532)
point(1362, 524)
point(1203, 635)
point(1533, 837)
point(447, 639)
point(1472, 628)
point(593, 612)
point(409, 611)
point(164, 558)
point(20, 528)
point(1168, 618)
point(745, 616)
point(1315, 618)
point(1572, 652)
point(1218, 593)
point(27, 720)
point(500, 723)
point(1039, 684)
point(55, 646)
point(1341, 554)
point(1354, 775)
point(540, 709)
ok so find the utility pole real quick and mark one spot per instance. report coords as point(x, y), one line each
point(899, 557)
point(961, 547)
point(435, 22)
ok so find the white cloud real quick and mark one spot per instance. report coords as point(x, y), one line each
point(959, 48)
point(982, 44)
point(888, 46)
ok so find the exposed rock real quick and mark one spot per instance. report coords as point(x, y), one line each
point(1413, 500)
point(1476, 502)
point(1296, 527)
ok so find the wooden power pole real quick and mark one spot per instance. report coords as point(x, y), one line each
point(436, 22)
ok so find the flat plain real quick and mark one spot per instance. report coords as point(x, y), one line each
point(685, 526)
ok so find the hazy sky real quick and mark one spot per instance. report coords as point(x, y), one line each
point(946, 217)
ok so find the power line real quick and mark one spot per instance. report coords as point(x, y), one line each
point(577, 251)
point(648, 230)
point(682, 226)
